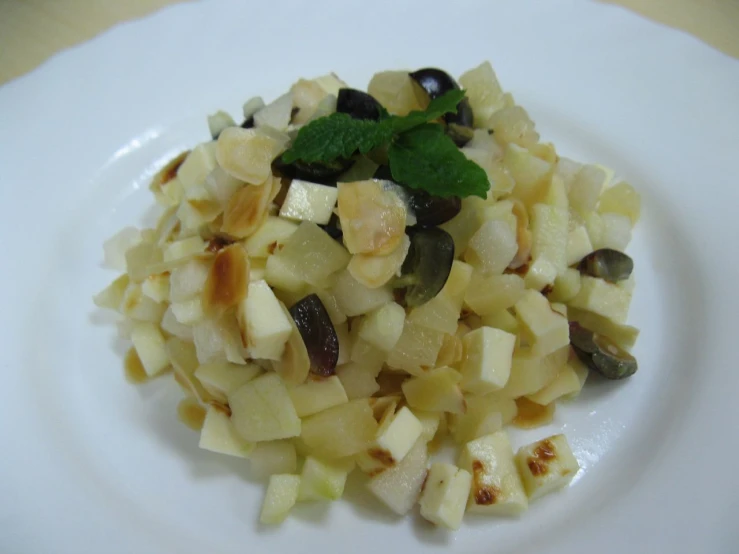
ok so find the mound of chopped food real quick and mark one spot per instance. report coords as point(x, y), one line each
point(349, 279)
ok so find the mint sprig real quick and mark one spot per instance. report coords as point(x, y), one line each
point(421, 156)
point(426, 158)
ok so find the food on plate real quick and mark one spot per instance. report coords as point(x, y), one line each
point(348, 280)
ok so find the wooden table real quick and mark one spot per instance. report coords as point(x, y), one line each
point(33, 30)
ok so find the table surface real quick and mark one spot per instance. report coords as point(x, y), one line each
point(33, 30)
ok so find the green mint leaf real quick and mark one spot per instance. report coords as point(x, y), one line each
point(425, 158)
point(337, 135)
point(442, 105)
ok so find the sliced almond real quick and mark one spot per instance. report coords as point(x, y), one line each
point(372, 217)
point(247, 209)
point(373, 271)
point(228, 280)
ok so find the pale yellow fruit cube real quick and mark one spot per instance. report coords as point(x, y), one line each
point(445, 495)
point(496, 486)
point(486, 366)
point(546, 466)
point(315, 396)
point(262, 410)
point(323, 479)
point(281, 496)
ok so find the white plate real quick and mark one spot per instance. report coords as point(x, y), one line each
point(92, 464)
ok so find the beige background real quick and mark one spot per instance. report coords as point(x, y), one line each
point(33, 30)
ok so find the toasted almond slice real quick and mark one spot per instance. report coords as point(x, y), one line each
point(373, 271)
point(247, 209)
point(372, 217)
point(191, 413)
point(227, 281)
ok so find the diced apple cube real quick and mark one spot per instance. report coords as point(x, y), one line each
point(220, 378)
point(491, 293)
point(359, 381)
point(315, 396)
point(272, 457)
point(275, 114)
point(115, 247)
point(187, 280)
point(496, 486)
point(541, 274)
point(263, 322)
point(546, 466)
point(492, 247)
point(322, 479)
point(311, 254)
point(262, 410)
point(457, 283)
point(445, 495)
point(156, 287)
point(356, 299)
point(189, 311)
point(549, 329)
point(616, 232)
point(383, 326)
point(503, 320)
point(273, 234)
point(440, 313)
point(487, 363)
point(484, 415)
point(150, 346)
point(531, 373)
point(307, 201)
point(340, 431)
point(566, 286)
point(219, 435)
point(603, 298)
point(111, 296)
point(416, 350)
point(429, 423)
point(399, 486)
point(397, 434)
point(566, 383)
point(279, 274)
point(621, 198)
point(182, 249)
point(436, 390)
point(586, 188)
point(549, 226)
point(623, 335)
point(281, 496)
point(578, 245)
point(199, 162)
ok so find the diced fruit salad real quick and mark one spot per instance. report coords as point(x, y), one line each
point(347, 280)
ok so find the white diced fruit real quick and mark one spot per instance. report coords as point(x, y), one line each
point(220, 378)
point(398, 487)
point(356, 299)
point(429, 423)
point(492, 247)
point(358, 380)
point(282, 493)
point(436, 390)
point(395, 437)
point(566, 383)
point(549, 329)
point(416, 349)
point(273, 233)
point(382, 327)
point(199, 163)
point(272, 457)
point(496, 486)
point(322, 479)
point(492, 293)
point(487, 363)
point(263, 322)
point(315, 396)
point(219, 435)
point(150, 346)
point(262, 410)
point(546, 466)
point(445, 494)
point(578, 245)
point(542, 273)
point(307, 201)
point(603, 298)
point(549, 225)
